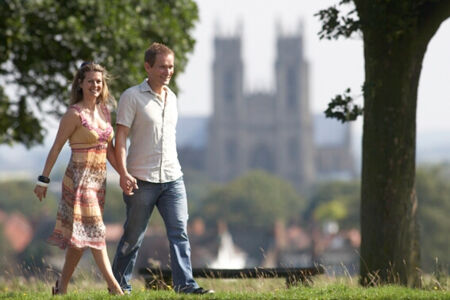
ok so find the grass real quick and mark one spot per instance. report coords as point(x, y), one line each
point(86, 286)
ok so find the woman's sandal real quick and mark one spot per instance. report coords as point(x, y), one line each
point(111, 292)
point(117, 293)
point(55, 289)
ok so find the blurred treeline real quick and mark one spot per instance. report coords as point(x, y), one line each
point(255, 200)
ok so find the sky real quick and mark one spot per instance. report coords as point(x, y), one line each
point(335, 65)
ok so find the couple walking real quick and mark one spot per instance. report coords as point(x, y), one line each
point(150, 174)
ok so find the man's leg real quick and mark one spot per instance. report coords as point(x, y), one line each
point(172, 206)
point(139, 209)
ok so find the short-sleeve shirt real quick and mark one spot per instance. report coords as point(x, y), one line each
point(152, 153)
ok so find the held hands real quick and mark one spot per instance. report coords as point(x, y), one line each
point(128, 183)
point(40, 192)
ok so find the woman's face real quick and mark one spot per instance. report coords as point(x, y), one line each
point(92, 84)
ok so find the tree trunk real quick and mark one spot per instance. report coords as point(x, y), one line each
point(390, 242)
point(396, 35)
point(389, 247)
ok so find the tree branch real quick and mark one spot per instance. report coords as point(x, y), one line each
point(432, 14)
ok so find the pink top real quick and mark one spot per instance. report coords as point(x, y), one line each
point(88, 135)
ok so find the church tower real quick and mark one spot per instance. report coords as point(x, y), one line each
point(224, 159)
point(295, 153)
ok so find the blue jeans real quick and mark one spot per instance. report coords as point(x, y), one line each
point(171, 200)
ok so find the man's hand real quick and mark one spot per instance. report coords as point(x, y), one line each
point(128, 183)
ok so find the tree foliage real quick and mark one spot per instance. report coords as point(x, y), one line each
point(255, 200)
point(18, 196)
point(6, 251)
point(335, 201)
point(433, 190)
point(43, 42)
point(339, 201)
point(343, 108)
point(336, 24)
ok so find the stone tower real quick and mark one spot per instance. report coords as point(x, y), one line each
point(295, 147)
point(223, 153)
point(270, 131)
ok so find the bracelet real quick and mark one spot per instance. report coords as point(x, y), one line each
point(43, 179)
point(43, 184)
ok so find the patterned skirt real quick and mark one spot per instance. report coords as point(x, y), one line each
point(79, 221)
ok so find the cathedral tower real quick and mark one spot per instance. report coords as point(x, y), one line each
point(293, 116)
point(223, 161)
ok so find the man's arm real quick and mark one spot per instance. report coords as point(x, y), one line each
point(127, 182)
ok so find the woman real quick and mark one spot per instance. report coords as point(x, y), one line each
point(79, 222)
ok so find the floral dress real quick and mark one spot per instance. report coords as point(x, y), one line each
point(79, 221)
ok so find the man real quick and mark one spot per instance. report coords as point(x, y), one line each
point(151, 176)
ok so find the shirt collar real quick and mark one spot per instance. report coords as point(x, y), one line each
point(145, 87)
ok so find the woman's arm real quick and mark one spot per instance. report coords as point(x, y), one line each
point(69, 122)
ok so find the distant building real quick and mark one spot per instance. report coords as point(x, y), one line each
point(274, 131)
point(269, 131)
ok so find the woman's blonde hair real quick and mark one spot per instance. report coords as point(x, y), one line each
point(76, 94)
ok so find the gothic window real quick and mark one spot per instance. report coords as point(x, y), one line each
point(262, 158)
point(229, 86)
point(292, 82)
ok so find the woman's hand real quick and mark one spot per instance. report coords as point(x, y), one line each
point(40, 192)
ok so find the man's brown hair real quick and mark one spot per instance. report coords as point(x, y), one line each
point(154, 50)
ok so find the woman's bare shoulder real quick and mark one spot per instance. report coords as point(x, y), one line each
point(71, 115)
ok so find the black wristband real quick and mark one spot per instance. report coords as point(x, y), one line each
point(43, 179)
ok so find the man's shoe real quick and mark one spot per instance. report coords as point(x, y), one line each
point(202, 291)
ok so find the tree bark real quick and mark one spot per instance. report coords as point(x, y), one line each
point(393, 62)
point(389, 248)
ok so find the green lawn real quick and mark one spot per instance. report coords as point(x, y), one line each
point(322, 288)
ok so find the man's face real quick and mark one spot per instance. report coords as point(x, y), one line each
point(162, 70)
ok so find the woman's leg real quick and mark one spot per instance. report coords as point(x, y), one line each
point(103, 263)
point(73, 256)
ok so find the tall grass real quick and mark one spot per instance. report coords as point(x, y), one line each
point(87, 284)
